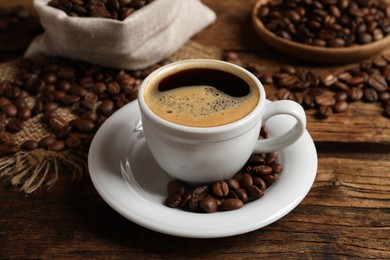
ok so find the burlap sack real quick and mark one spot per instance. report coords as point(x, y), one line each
point(146, 37)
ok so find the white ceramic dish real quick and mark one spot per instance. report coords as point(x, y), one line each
point(130, 181)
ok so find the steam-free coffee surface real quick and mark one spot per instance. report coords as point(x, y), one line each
point(203, 97)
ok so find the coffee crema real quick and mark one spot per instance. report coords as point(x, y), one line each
point(201, 97)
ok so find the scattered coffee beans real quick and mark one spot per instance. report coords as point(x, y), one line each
point(113, 9)
point(327, 91)
point(324, 23)
point(90, 92)
point(249, 184)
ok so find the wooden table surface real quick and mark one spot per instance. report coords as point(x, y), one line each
point(346, 214)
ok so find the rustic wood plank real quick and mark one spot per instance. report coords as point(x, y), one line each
point(346, 214)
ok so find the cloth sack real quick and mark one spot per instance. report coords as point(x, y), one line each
point(144, 38)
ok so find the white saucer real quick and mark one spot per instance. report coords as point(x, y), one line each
point(130, 181)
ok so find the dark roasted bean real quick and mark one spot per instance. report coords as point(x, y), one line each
point(176, 186)
point(325, 111)
point(46, 141)
point(14, 125)
point(30, 145)
point(82, 125)
point(173, 200)
point(209, 204)
point(72, 142)
point(220, 189)
point(56, 146)
point(6, 138)
point(231, 204)
point(9, 149)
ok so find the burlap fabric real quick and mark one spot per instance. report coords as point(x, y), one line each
point(29, 170)
point(147, 36)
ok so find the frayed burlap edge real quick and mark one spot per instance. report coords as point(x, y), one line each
point(29, 170)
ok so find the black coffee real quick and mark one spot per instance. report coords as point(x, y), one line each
point(201, 97)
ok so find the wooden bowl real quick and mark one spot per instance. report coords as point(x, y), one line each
point(306, 52)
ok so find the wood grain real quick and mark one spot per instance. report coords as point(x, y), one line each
point(346, 214)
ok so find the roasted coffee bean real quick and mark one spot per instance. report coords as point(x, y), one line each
point(50, 106)
point(113, 87)
point(90, 115)
point(259, 183)
point(257, 159)
point(10, 110)
point(30, 145)
point(173, 200)
point(46, 141)
point(176, 186)
point(72, 142)
point(370, 95)
point(66, 72)
point(20, 102)
point(231, 204)
point(246, 181)
point(221, 189)
point(325, 111)
point(56, 123)
point(271, 157)
point(242, 195)
point(355, 93)
point(4, 101)
point(56, 146)
point(82, 125)
point(325, 100)
point(69, 100)
point(185, 198)
point(277, 167)
point(9, 149)
point(378, 82)
point(260, 170)
point(106, 107)
point(38, 107)
point(14, 125)
point(341, 96)
point(233, 184)
point(255, 192)
point(58, 94)
point(6, 138)
point(209, 204)
point(382, 96)
point(200, 191)
point(78, 91)
point(193, 204)
point(270, 179)
point(24, 113)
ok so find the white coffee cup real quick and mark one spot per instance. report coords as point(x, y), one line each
point(206, 154)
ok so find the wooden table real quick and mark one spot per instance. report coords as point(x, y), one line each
point(345, 215)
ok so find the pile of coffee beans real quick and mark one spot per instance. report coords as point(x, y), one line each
point(327, 91)
point(327, 23)
point(113, 9)
point(249, 184)
point(91, 93)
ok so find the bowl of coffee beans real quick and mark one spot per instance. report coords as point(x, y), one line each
point(324, 31)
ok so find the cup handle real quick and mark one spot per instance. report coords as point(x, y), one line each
point(282, 107)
